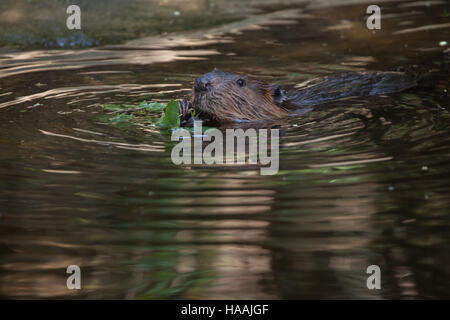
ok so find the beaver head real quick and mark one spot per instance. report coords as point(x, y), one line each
point(227, 96)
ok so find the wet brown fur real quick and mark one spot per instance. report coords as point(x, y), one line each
point(221, 97)
point(226, 101)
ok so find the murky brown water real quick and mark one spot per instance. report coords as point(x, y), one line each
point(361, 182)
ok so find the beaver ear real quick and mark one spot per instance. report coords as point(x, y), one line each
point(278, 94)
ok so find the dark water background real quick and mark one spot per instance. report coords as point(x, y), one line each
point(361, 182)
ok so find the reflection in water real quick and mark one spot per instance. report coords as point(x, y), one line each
point(90, 91)
point(361, 181)
point(142, 51)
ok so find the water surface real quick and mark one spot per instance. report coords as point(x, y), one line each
point(361, 181)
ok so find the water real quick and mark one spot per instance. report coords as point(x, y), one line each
point(361, 181)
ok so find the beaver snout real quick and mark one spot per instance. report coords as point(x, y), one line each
point(202, 84)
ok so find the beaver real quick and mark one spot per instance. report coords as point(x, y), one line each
point(220, 96)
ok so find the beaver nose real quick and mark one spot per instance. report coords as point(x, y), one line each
point(202, 84)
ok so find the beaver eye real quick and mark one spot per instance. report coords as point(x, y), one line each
point(279, 92)
point(241, 82)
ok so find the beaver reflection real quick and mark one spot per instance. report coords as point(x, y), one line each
point(220, 96)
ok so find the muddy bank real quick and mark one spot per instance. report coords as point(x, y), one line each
point(42, 24)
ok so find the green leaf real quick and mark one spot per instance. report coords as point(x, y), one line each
point(115, 107)
point(152, 106)
point(171, 117)
point(122, 118)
